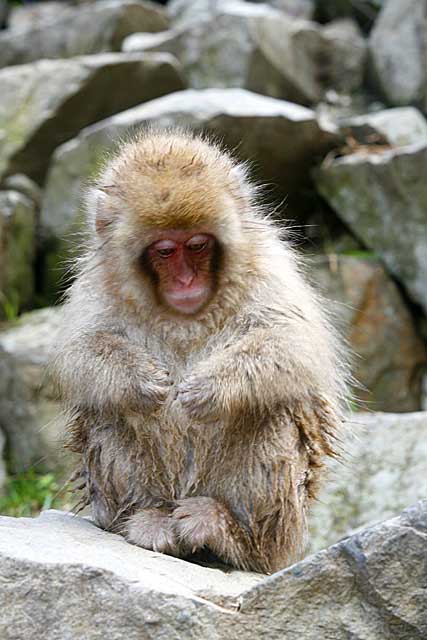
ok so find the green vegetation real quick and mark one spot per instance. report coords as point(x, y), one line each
point(9, 306)
point(25, 494)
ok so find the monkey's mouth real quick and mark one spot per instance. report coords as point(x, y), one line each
point(187, 302)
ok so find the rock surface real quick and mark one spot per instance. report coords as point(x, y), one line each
point(400, 126)
point(23, 184)
point(390, 358)
point(17, 250)
point(60, 577)
point(2, 462)
point(257, 127)
point(401, 27)
point(294, 8)
point(254, 46)
point(29, 414)
point(92, 27)
point(385, 469)
point(47, 102)
point(382, 197)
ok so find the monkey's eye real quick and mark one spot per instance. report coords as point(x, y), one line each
point(166, 252)
point(197, 248)
point(198, 243)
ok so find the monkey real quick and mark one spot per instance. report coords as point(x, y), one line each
point(204, 382)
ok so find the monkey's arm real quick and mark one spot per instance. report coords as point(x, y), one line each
point(105, 370)
point(264, 367)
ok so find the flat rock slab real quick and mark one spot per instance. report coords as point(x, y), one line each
point(382, 198)
point(91, 27)
point(229, 43)
point(384, 469)
point(61, 578)
point(29, 412)
point(391, 356)
point(48, 102)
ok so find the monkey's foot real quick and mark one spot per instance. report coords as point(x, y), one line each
point(153, 529)
point(201, 522)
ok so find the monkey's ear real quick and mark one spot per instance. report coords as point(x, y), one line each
point(98, 215)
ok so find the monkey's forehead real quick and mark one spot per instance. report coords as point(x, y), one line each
point(172, 182)
point(181, 152)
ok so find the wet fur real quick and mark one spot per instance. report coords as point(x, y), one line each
point(207, 431)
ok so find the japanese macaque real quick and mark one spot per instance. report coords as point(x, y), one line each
point(203, 380)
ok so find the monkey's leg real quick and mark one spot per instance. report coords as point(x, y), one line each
point(153, 529)
point(206, 522)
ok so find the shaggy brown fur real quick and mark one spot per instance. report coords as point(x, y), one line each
point(204, 431)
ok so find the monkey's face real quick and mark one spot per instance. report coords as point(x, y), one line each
point(183, 265)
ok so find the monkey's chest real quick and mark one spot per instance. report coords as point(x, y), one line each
point(159, 455)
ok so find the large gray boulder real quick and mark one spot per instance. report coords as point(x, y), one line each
point(398, 127)
point(62, 578)
point(382, 197)
point(398, 51)
point(187, 11)
point(389, 355)
point(47, 102)
point(89, 28)
point(17, 251)
point(29, 414)
point(2, 462)
point(254, 46)
point(294, 8)
point(384, 469)
point(284, 139)
point(4, 386)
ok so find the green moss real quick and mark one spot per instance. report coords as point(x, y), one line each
point(25, 494)
point(9, 305)
point(360, 253)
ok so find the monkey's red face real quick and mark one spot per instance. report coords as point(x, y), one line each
point(183, 263)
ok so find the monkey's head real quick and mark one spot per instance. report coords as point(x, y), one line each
point(169, 221)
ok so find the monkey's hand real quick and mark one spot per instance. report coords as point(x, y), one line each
point(146, 386)
point(261, 369)
point(106, 370)
point(222, 385)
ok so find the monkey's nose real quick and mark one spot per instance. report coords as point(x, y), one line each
point(185, 273)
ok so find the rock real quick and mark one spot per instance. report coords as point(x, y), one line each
point(390, 357)
point(17, 251)
point(372, 585)
point(400, 27)
point(90, 28)
point(23, 184)
point(385, 469)
point(294, 8)
point(47, 102)
point(370, 192)
point(257, 127)
point(4, 384)
point(399, 127)
point(238, 44)
point(28, 16)
point(187, 11)
point(2, 462)
point(29, 413)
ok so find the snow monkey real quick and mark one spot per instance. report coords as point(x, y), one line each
point(203, 381)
